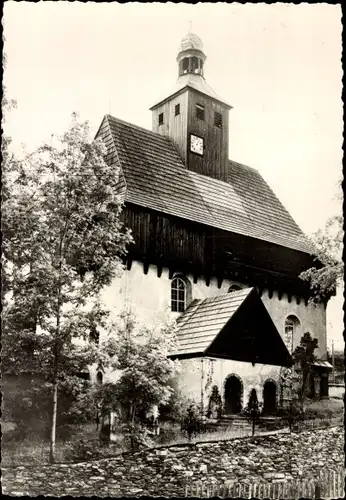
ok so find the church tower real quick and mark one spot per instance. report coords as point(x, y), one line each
point(194, 116)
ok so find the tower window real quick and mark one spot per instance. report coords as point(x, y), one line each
point(200, 111)
point(185, 65)
point(177, 110)
point(161, 119)
point(234, 288)
point(218, 119)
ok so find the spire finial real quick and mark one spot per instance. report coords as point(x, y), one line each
point(190, 25)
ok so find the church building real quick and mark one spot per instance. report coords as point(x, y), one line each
point(213, 248)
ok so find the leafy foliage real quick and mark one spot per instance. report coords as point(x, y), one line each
point(63, 242)
point(253, 409)
point(144, 370)
point(137, 437)
point(192, 423)
point(303, 357)
point(328, 243)
point(215, 403)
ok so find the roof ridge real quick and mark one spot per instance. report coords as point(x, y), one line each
point(137, 127)
point(248, 289)
point(106, 118)
point(238, 164)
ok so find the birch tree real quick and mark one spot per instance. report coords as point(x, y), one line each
point(63, 242)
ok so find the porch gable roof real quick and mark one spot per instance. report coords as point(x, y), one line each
point(233, 326)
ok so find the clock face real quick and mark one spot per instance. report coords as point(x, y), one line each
point(196, 144)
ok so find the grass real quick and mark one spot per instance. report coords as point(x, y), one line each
point(35, 451)
point(326, 408)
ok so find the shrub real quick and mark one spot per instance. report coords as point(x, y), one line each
point(168, 433)
point(83, 450)
point(192, 423)
point(137, 437)
point(215, 404)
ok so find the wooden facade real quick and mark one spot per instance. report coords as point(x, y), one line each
point(184, 246)
point(174, 125)
point(214, 161)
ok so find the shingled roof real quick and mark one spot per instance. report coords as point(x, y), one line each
point(155, 177)
point(234, 326)
point(204, 319)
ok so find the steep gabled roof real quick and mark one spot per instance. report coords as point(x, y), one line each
point(156, 178)
point(234, 326)
point(201, 322)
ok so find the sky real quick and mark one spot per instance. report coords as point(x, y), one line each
point(278, 65)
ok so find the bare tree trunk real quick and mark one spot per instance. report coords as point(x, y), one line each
point(53, 428)
point(55, 373)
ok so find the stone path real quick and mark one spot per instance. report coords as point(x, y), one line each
point(163, 471)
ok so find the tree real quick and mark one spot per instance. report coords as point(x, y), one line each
point(63, 242)
point(253, 409)
point(304, 357)
point(140, 357)
point(143, 371)
point(327, 276)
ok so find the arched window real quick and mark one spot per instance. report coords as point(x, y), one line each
point(180, 293)
point(99, 378)
point(292, 325)
point(194, 64)
point(185, 65)
point(234, 288)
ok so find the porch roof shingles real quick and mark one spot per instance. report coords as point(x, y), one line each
point(204, 319)
point(157, 179)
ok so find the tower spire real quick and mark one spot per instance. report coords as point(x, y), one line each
point(191, 56)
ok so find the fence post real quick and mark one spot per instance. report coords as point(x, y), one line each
point(317, 490)
point(334, 484)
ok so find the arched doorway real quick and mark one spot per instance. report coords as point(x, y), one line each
point(233, 395)
point(269, 397)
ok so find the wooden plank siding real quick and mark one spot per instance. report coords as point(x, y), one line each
point(189, 247)
point(214, 161)
point(174, 126)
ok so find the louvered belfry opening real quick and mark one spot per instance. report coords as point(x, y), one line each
point(218, 119)
point(200, 111)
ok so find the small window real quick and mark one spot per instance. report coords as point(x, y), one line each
point(218, 119)
point(200, 111)
point(161, 119)
point(234, 288)
point(177, 110)
point(178, 295)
